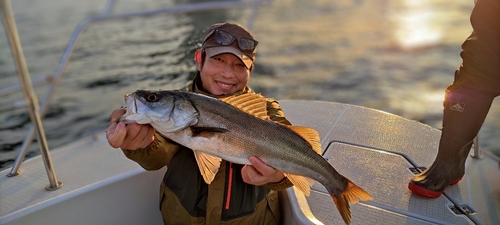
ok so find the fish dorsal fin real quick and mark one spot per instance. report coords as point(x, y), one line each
point(251, 103)
point(308, 134)
point(300, 182)
point(208, 164)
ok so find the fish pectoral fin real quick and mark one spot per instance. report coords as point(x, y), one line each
point(208, 165)
point(308, 134)
point(207, 132)
point(300, 182)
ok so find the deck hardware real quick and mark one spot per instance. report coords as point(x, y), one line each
point(417, 170)
point(462, 210)
point(475, 154)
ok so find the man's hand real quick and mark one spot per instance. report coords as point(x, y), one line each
point(128, 136)
point(260, 173)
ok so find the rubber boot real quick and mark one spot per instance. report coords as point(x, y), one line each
point(463, 116)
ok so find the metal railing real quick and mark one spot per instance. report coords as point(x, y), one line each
point(37, 112)
point(30, 97)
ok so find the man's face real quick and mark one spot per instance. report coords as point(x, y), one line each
point(224, 74)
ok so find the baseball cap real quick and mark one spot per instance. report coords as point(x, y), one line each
point(212, 47)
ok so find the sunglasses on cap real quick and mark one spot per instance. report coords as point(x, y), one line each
point(225, 38)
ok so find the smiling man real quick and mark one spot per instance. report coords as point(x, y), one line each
point(224, 61)
point(239, 194)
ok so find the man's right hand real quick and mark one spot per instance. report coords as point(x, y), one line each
point(131, 136)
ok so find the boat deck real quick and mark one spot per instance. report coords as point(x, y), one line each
point(376, 150)
point(380, 153)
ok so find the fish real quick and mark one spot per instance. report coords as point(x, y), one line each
point(236, 127)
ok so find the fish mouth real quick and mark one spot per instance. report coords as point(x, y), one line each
point(130, 99)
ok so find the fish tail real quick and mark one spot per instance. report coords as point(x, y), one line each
point(349, 196)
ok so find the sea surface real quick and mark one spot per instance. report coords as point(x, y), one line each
point(396, 56)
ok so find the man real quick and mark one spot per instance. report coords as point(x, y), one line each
point(467, 101)
point(239, 194)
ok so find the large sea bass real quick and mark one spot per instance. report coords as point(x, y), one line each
point(234, 129)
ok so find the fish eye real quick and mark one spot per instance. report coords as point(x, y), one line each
point(152, 97)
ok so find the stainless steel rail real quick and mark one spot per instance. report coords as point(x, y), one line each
point(56, 80)
point(17, 87)
point(30, 97)
point(107, 15)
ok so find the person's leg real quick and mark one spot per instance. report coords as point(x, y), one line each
point(467, 101)
point(463, 116)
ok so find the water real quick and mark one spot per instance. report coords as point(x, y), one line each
point(396, 56)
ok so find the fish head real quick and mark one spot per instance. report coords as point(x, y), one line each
point(166, 111)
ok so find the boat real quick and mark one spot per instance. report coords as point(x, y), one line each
point(379, 151)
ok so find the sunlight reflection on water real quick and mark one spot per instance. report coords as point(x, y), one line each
point(416, 25)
